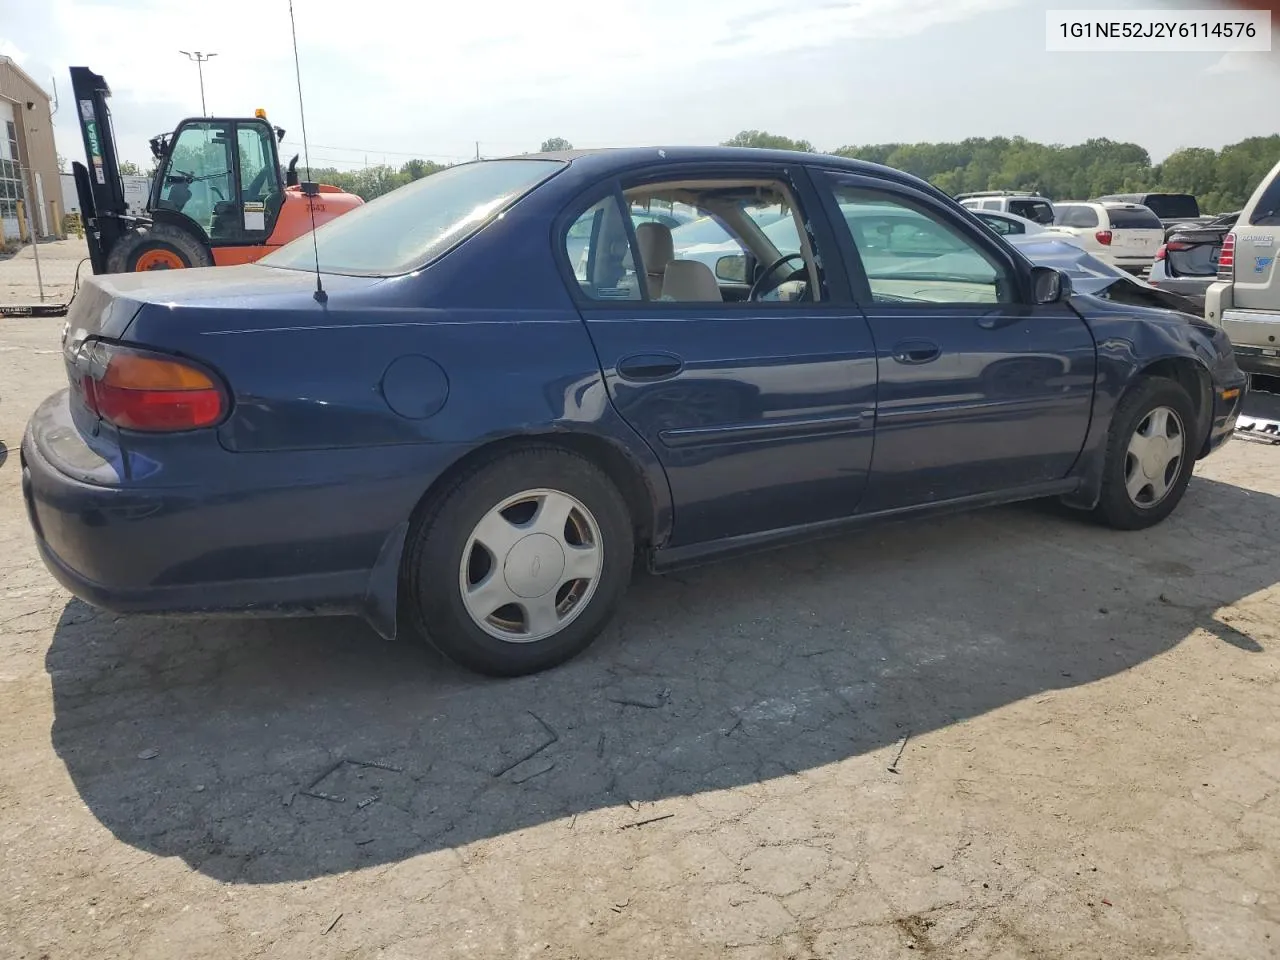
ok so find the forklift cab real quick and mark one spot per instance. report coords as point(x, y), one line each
point(223, 175)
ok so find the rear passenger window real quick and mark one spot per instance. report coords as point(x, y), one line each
point(1139, 218)
point(599, 253)
point(1267, 212)
point(990, 204)
point(1075, 215)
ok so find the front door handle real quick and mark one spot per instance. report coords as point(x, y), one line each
point(649, 367)
point(916, 351)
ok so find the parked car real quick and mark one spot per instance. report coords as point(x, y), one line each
point(1008, 224)
point(1246, 299)
point(1023, 203)
point(1124, 234)
point(422, 409)
point(1187, 262)
point(1173, 209)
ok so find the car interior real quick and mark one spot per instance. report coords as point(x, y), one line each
point(722, 255)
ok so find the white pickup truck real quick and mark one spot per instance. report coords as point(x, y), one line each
point(1245, 301)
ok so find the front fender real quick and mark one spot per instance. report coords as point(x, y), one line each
point(1131, 340)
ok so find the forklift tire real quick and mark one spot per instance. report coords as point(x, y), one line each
point(160, 246)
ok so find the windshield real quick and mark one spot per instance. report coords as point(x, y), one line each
point(409, 227)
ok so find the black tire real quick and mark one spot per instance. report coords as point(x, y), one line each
point(132, 248)
point(1115, 507)
point(433, 557)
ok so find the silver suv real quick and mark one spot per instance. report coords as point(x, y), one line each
point(1021, 203)
point(1245, 301)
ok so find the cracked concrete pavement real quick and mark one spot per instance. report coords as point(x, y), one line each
point(1086, 726)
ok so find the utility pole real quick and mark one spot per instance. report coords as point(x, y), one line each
point(477, 149)
point(200, 60)
point(33, 196)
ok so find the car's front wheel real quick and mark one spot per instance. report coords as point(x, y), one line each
point(521, 562)
point(1150, 454)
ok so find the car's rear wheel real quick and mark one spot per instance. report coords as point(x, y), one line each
point(1150, 455)
point(519, 565)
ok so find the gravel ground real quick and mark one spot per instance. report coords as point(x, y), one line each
point(1005, 734)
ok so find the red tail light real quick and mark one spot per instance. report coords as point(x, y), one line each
point(1227, 258)
point(141, 390)
point(1103, 237)
point(1177, 245)
point(1163, 247)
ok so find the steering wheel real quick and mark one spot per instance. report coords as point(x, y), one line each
point(758, 288)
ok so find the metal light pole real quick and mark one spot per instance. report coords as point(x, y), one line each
point(200, 60)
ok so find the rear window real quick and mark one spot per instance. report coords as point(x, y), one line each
point(1075, 215)
point(409, 227)
point(1133, 218)
point(1036, 210)
point(1173, 206)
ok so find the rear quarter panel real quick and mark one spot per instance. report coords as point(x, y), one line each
point(403, 376)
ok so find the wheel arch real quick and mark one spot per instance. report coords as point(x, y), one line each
point(623, 469)
point(184, 223)
point(1193, 377)
point(1186, 371)
point(648, 503)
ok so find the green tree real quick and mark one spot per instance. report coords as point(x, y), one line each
point(130, 169)
point(767, 141)
point(553, 144)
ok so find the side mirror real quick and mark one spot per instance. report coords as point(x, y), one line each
point(1049, 285)
point(732, 269)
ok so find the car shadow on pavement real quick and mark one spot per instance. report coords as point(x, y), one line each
point(263, 751)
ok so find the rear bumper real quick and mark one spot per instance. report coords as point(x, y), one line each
point(237, 545)
point(1255, 336)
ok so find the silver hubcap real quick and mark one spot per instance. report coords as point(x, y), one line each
point(531, 565)
point(1154, 457)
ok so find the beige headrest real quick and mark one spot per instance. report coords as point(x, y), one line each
point(690, 281)
point(656, 247)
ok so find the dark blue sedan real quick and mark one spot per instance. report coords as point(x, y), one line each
point(474, 403)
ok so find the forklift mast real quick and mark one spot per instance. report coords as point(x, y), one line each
point(100, 190)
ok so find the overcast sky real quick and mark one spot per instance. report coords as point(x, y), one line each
point(391, 79)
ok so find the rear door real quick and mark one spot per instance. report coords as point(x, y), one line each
point(1136, 232)
point(1257, 283)
point(980, 390)
point(760, 410)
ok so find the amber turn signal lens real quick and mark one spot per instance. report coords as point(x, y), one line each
point(137, 390)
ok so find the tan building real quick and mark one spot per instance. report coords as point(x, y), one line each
point(28, 157)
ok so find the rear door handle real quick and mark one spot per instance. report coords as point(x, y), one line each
point(648, 367)
point(916, 351)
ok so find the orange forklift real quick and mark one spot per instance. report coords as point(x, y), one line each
point(218, 195)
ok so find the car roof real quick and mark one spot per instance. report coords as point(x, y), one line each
point(605, 160)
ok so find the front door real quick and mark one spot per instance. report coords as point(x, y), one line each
point(980, 390)
point(754, 387)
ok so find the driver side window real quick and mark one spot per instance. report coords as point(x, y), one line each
point(198, 177)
